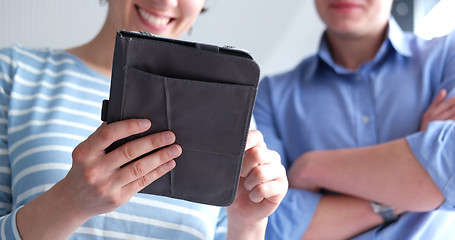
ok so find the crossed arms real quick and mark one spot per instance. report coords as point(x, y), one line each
point(388, 173)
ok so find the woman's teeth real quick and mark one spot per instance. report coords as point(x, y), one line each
point(153, 19)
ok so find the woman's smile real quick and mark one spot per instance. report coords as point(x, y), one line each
point(153, 20)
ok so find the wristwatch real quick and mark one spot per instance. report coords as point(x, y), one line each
point(386, 212)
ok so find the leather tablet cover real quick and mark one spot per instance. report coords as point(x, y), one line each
point(203, 93)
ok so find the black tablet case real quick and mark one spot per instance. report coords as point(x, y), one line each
point(203, 93)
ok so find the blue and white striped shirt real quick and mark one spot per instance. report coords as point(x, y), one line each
point(50, 101)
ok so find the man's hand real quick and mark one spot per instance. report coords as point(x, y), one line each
point(439, 109)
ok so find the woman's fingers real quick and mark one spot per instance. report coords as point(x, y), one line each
point(138, 147)
point(261, 174)
point(254, 139)
point(102, 169)
point(256, 156)
point(272, 191)
point(147, 169)
point(265, 181)
point(98, 181)
point(264, 177)
point(148, 178)
point(106, 134)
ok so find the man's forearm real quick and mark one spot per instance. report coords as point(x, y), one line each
point(345, 216)
point(387, 173)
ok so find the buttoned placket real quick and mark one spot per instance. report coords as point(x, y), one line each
point(364, 111)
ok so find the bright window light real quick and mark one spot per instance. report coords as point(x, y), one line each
point(438, 22)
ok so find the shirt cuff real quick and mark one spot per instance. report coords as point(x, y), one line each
point(434, 150)
point(292, 217)
point(8, 227)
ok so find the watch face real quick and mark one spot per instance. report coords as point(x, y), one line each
point(379, 207)
point(376, 207)
point(386, 212)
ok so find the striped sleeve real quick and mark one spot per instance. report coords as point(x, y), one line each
point(8, 228)
point(221, 227)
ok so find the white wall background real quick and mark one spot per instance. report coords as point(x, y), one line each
point(278, 34)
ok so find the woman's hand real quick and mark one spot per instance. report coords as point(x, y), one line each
point(262, 186)
point(439, 109)
point(98, 182)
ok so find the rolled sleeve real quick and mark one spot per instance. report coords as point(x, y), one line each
point(434, 148)
point(293, 216)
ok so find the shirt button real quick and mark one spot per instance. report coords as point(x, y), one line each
point(365, 119)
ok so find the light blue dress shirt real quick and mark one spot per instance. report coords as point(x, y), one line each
point(321, 105)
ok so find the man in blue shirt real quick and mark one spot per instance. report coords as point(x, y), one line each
point(363, 160)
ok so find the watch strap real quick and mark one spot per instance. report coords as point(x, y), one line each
point(388, 215)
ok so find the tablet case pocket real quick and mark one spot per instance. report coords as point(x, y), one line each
point(210, 110)
point(212, 151)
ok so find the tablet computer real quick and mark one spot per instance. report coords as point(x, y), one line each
point(203, 93)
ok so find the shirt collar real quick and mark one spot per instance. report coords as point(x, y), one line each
point(395, 36)
point(399, 39)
